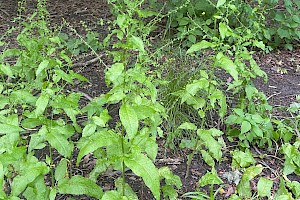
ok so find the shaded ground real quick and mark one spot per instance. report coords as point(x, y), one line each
point(282, 67)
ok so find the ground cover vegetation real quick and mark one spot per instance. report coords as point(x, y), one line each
point(180, 72)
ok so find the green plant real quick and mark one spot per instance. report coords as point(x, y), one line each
point(35, 111)
point(283, 26)
point(211, 179)
point(131, 142)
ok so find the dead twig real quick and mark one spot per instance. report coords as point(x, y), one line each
point(89, 62)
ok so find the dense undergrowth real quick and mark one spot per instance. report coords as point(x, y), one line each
point(193, 88)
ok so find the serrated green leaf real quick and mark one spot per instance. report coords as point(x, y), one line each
point(188, 126)
point(245, 127)
point(227, 64)
point(79, 185)
point(213, 146)
point(242, 159)
point(137, 43)
point(43, 65)
point(259, 44)
point(210, 178)
point(41, 104)
point(220, 3)
point(200, 45)
point(60, 143)
point(129, 120)
point(143, 167)
point(264, 187)
point(114, 73)
point(61, 170)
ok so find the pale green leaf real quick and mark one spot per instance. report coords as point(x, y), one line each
point(222, 28)
point(88, 130)
point(210, 178)
point(251, 172)
point(60, 143)
point(112, 195)
point(114, 73)
point(79, 185)
point(137, 43)
point(6, 69)
point(97, 140)
point(8, 128)
point(41, 104)
point(227, 64)
point(43, 65)
point(213, 146)
point(143, 167)
point(52, 194)
point(220, 3)
point(61, 171)
point(188, 126)
point(264, 187)
point(200, 45)
point(245, 127)
point(129, 120)
point(207, 158)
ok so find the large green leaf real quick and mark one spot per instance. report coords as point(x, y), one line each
point(79, 185)
point(129, 120)
point(8, 128)
point(245, 127)
point(61, 170)
point(41, 104)
point(210, 178)
point(143, 167)
point(114, 73)
point(264, 187)
point(43, 65)
point(97, 140)
point(21, 181)
point(227, 64)
point(60, 143)
point(213, 146)
point(137, 43)
point(244, 188)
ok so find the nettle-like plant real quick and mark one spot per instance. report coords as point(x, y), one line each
point(129, 142)
point(35, 113)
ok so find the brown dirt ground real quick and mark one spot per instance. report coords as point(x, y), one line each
point(282, 67)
